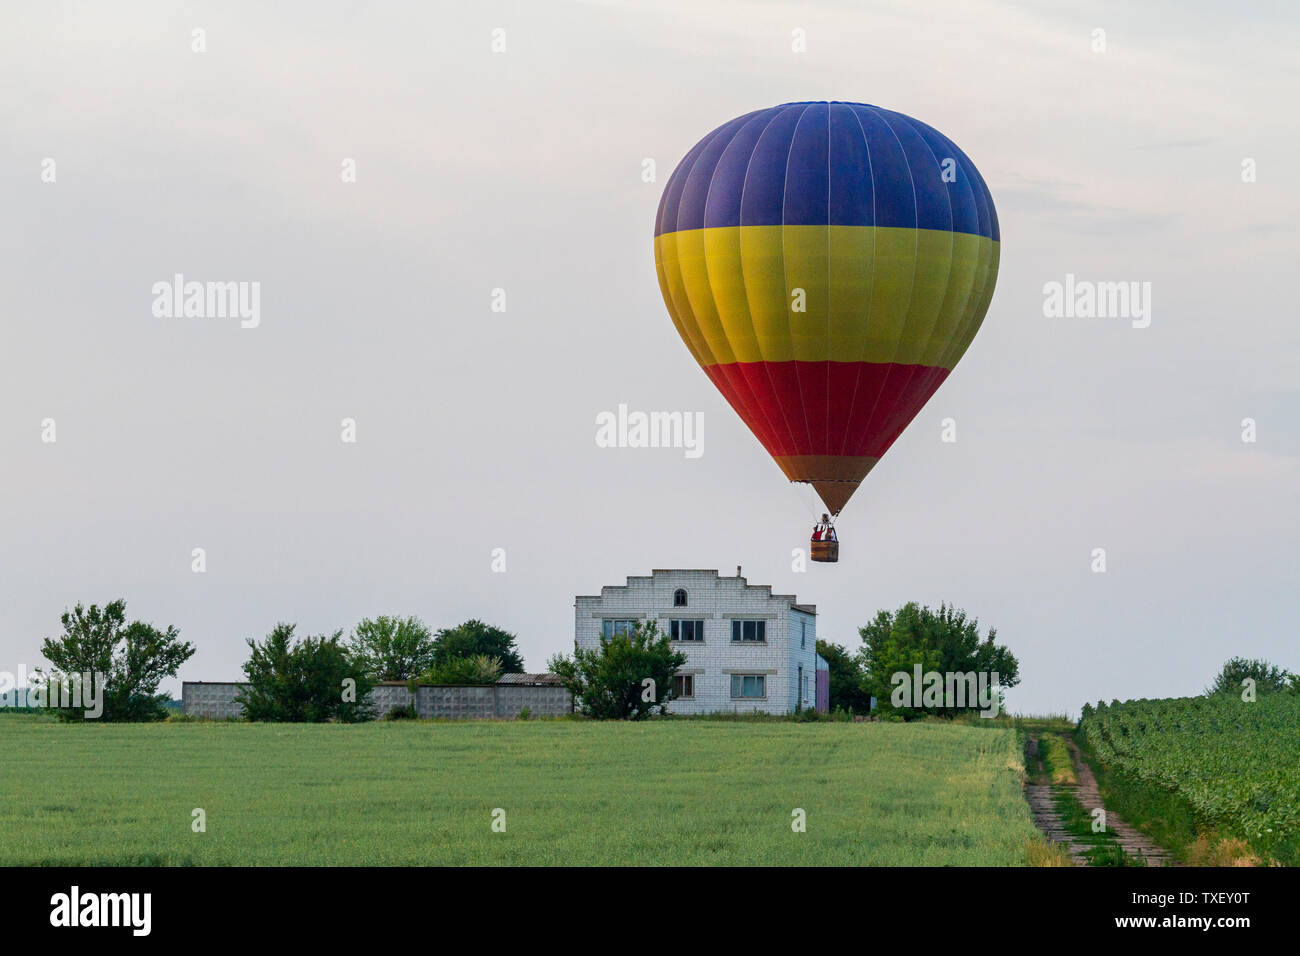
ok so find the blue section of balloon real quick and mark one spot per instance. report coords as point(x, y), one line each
point(846, 164)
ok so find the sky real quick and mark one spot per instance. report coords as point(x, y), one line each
point(130, 157)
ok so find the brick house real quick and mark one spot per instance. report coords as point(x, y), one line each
point(747, 649)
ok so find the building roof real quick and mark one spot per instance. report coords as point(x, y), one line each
point(794, 601)
point(531, 680)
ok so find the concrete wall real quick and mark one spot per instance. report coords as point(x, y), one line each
point(208, 699)
point(487, 701)
point(217, 700)
point(717, 601)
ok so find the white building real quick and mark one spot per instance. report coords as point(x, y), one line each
point(747, 649)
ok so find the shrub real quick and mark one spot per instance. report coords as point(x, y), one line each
point(847, 678)
point(315, 679)
point(945, 641)
point(629, 677)
point(393, 648)
point(476, 639)
point(1267, 678)
point(132, 659)
point(478, 669)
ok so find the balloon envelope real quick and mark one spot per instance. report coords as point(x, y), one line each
point(827, 264)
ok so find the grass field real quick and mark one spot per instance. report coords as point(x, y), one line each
point(663, 792)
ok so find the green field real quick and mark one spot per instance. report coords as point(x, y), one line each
point(1235, 763)
point(662, 792)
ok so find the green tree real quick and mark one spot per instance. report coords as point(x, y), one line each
point(474, 638)
point(393, 648)
point(132, 659)
point(945, 641)
point(608, 682)
point(847, 679)
point(315, 679)
point(1268, 678)
point(478, 669)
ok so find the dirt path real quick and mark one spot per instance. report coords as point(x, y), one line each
point(1133, 842)
point(1039, 796)
point(1048, 819)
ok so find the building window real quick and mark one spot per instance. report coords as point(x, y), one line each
point(611, 628)
point(679, 598)
point(803, 633)
point(686, 630)
point(748, 686)
point(684, 685)
point(749, 631)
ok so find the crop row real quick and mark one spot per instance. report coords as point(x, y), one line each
point(1236, 762)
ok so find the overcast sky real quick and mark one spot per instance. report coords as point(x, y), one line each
point(522, 170)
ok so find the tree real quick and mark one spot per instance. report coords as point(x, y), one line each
point(1268, 678)
point(473, 638)
point(479, 669)
point(846, 679)
point(315, 679)
point(393, 648)
point(945, 641)
point(609, 683)
point(132, 659)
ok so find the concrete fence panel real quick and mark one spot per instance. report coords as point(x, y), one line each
point(216, 700)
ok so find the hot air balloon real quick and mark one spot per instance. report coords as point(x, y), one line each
point(827, 264)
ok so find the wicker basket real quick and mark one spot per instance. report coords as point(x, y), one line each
point(825, 550)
